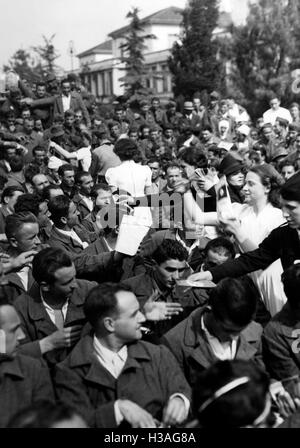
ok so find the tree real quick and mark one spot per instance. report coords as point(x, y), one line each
point(265, 51)
point(133, 48)
point(48, 54)
point(24, 64)
point(193, 61)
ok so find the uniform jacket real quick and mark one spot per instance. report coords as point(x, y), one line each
point(281, 344)
point(283, 242)
point(188, 343)
point(23, 381)
point(150, 376)
point(36, 323)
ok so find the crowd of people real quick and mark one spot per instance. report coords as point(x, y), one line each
point(198, 327)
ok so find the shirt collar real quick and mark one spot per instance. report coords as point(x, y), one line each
point(48, 307)
point(108, 355)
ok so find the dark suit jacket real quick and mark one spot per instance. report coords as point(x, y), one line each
point(150, 376)
point(189, 344)
point(14, 287)
point(36, 323)
point(23, 381)
point(81, 206)
point(75, 103)
point(90, 263)
point(281, 344)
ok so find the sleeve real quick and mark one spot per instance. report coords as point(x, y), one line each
point(267, 252)
point(110, 177)
point(43, 389)
point(148, 181)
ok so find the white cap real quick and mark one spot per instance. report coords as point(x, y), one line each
point(244, 129)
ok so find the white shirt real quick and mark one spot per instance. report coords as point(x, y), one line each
point(72, 234)
point(222, 350)
point(114, 363)
point(66, 101)
point(270, 115)
point(130, 176)
point(23, 274)
point(50, 310)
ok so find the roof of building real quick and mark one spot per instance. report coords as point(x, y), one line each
point(103, 48)
point(167, 16)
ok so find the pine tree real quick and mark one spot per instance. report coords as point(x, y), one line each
point(133, 49)
point(265, 52)
point(193, 62)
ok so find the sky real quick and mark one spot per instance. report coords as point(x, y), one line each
point(85, 22)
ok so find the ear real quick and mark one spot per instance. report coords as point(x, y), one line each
point(44, 286)
point(109, 324)
point(13, 242)
point(64, 220)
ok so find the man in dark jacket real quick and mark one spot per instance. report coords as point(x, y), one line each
point(51, 312)
point(223, 330)
point(23, 380)
point(112, 377)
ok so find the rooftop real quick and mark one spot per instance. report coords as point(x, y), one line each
point(103, 48)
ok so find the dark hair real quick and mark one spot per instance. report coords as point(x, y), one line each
point(153, 160)
point(47, 262)
point(69, 113)
point(218, 243)
point(65, 167)
point(172, 164)
point(80, 175)
point(291, 284)
point(101, 301)
point(46, 191)
point(170, 250)
point(234, 299)
point(8, 192)
point(59, 208)
point(126, 149)
point(207, 128)
point(42, 414)
point(268, 179)
point(64, 80)
point(28, 203)
point(194, 156)
point(41, 84)
point(238, 407)
point(14, 223)
point(16, 164)
point(97, 187)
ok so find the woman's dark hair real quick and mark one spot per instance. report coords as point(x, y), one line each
point(238, 407)
point(268, 179)
point(194, 156)
point(126, 149)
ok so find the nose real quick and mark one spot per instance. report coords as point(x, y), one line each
point(37, 240)
point(285, 212)
point(74, 284)
point(20, 335)
point(141, 318)
point(175, 275)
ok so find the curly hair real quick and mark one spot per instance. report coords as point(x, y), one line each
point(169, 250)
point(126, 149)
point(268, 179)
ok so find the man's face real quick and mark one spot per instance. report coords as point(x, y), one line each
point(65, 283)
point(115, 131)
point(145, 108)
point(69, 120)
point(145, 132)
point(267, 132)
point(293, 135)
point(40, 181)
point(291, 212)
point(39, 157)
point(104, 198)
point(86, 186)
point(196, 103)
point(11, 201)
point(129, 318)
point(119, 114)
point(41, 91)
point(26, 238)
point(216, 257)
point(134, 135)
point(287, 171)
point(225, 330)
point(173, 176)
point(294, 111)
point(223, 108)
point(72, 219)
point(10, 152)
point(28, 126)
point(38, 125)
point(10, 330)
point(78, 117)
point(277, 127)
point(170, 271)
point(154, 166)
point(68, 178)
point(169, 133)
point(155, 104)
point(206, 135)
point(25, 114)
point(274, 103)
point(66, 88)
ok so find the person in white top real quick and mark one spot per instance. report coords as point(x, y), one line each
point(276, 111)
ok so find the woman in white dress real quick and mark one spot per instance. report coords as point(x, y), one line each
point(255, 219)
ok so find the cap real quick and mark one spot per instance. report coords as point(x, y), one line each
point(291, 189)
point(279, 152)
point(188, 105)
point(244, 129)
point(229, 165)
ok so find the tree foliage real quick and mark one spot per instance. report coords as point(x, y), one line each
point(47, 54)
point(194, 63)
point(265, 52)
point(133, 47)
